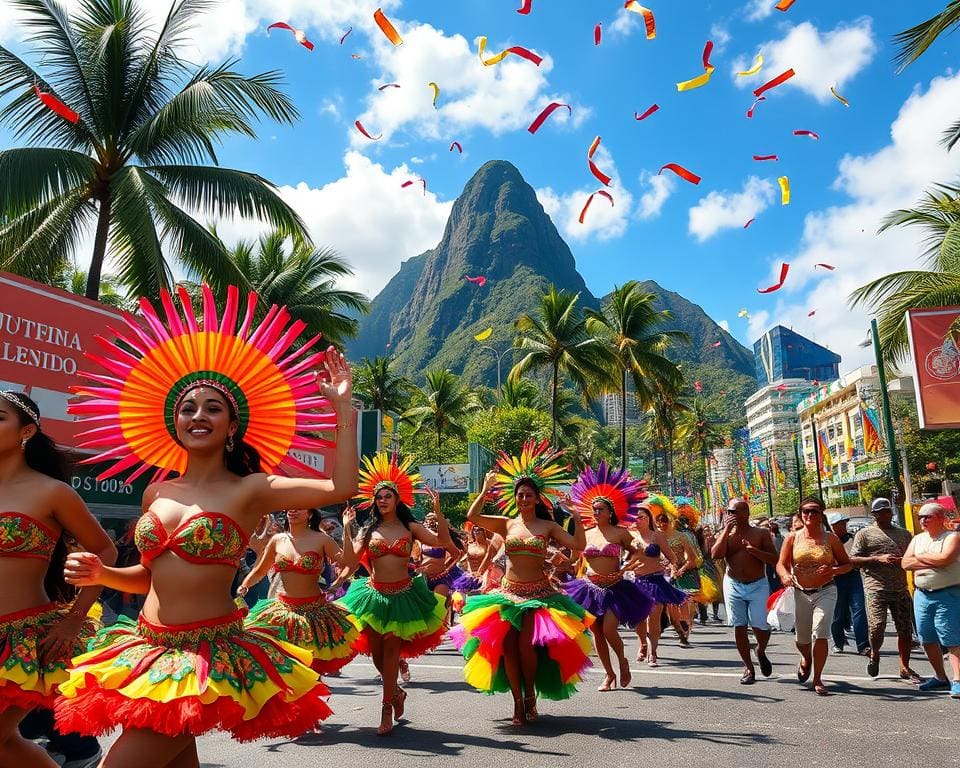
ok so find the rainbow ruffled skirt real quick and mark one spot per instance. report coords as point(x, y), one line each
point(27, 682)
point(560, 634)
point(405, 609)
point(191, 679)
point(325, 629)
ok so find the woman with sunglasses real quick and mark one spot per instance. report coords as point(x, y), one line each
point(809, 559)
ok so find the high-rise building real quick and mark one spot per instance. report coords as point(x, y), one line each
point(772, 418)
point(782, 354)
point(611, 408)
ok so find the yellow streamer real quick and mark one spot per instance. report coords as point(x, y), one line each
point(697, 82)
point(838, 97)
point(784, 183)
point(757, 65)
point(484, 335)
point(436, 93)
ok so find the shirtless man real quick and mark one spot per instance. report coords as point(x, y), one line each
point(747, 551)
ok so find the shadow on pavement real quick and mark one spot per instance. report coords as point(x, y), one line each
point(695, 692)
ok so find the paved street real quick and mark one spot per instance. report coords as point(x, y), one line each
point(690, 712)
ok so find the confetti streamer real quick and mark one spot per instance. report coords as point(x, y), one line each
point(784, 5)
point(388, 85)
point(648, 20)
point(479, 281)
point(458, 146)
point(366, 133)
point(525, 7)
point(716, 344)
point(355, 56)
point(743, 313)
point(811, 313)
point(484, 334)
point(586, 205)
point(600, 175)
point(708, 70)
point(346, 35)
point(298, 34)
point(778, 80)
point(516, 50)
point(811, 134)
point(761, 158)
point(54, 104)
point(757, 66)
point(597, 34)
point(784, 183)
point(548, 110)
point(682, 172)
point(698, 386)
point(436, 93)
point(410, 183)
point(645, 115)
point(838, 97)
point(749, 223)
point(386, 27)
point(784, 269)
point(825, 266)
point(755, 103)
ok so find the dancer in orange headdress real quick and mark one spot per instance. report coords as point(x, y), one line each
point(218, 405)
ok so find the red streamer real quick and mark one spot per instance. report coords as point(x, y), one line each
point(525, 7)
point(749, 223)
point(548, 110)
point(586, 205)
point(778, 80)
point(388, 85)
point(479, 281)
point(645, 115)
point(761, 158)
point(825, 266)
point(811, 134)
point(346, 35)
point(410, 183)
point(298, 34)
point(682, 172)
point(600, 175)
point(54, 104)
point(784, 269)
point(458, 146)
point(366, 133)
point(755, 103)
point(597, 34)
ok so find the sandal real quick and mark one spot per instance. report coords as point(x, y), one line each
point(609, 683)
point(404, 671)
point(386, 714)
point(642, 653)
point(821, 689)
point(910, 676)
point(802, 674)
point(398, 701)
point(653, 661)
point(530, 707)
point(625, 676)
point(519, 713)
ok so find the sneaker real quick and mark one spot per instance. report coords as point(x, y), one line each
point(837, 649)
point(955, 689)
point(934, 684)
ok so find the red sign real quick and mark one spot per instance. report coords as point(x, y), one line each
point(936, 365)
point(44, 333)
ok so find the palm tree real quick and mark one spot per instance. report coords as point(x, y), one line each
point(130, 167)
point(443, 404)
point(661, 427)
point(304, 280)
point(520, 393)
point(628, 327)
point(699, 432)
point(890, 296)
point(557, 339)
point(74, 280)
point(379, 387)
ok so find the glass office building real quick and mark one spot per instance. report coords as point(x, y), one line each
point(782, 354)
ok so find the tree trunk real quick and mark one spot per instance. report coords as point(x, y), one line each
point(623, 419)
point(553, 406)
point(672, 479)
point(99, 247)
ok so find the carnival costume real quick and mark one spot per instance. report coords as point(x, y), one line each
point(709, 586)
point(324, 628)
point(656, 584)
point(27, 680)
point(601, 593)
point(454, 577)
point(406, 609)
point(561, 633)
point(212, 674)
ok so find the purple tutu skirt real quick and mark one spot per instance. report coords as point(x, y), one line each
point(628, 603)
point(661, 591)
point(458, 580)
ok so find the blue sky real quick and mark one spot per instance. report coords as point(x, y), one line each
point(874, 156)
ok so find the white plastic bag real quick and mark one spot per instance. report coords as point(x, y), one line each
point(781, 615)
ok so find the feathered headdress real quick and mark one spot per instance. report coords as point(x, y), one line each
point(538, 462)
point(615, 486)
point(661, 505)
point(685, 508)
point(153, 363)
point(386, 471)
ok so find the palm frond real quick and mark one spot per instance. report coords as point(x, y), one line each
point(31, 176)
point(916, 40)
point(134, 243)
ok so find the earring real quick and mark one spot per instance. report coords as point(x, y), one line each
point(230, 444)
point(23, 444)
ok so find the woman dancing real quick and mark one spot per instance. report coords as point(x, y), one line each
point(483, 553)
point(301, 613)
point(39, 628)
point(214, 404)
point(526, 637)
point(400, 618)
point(688, 518)
point(605, 498)
point(441, 567)
point(647, 565)
point(809, 559)
point(685, 575)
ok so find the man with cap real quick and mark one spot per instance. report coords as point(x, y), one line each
point(877, 551)
point(747, 550)
point(850, 598)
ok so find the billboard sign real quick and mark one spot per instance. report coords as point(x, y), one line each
point(935, 345)
point(446, 478)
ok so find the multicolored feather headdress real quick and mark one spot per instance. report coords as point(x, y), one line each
point(386, 471)
point(154, 362)
point(661, 505)
point(538, 462)
point(686, 508)
point(615, 486)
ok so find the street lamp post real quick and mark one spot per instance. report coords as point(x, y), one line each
point(816, 456)
point(499, 355)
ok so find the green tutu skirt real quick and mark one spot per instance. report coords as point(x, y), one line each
point(405, 609)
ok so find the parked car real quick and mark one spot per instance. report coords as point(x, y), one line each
point(854, 524)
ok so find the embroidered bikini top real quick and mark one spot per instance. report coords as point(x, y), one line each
point(811, 552)
point(652, 550)
point(207, 538)
point(434, 552)
point(534, 546)
point(378, 548)
point(25, 536)
point(608, 550)
point(309, 563)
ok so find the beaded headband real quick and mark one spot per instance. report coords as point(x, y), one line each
point(16, 399)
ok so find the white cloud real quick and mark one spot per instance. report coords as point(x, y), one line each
point(759, 9)
point(730, 210)
point(721, 37)
point(652, 202)
point(725, 324)
point(366, 217)
point(501, 98)
point(602, 221)
point(625, 24)
point(845, 236)
point(820, 60)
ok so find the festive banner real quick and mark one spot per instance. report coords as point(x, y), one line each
point(935, 345)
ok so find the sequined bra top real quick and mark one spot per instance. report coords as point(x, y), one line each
point(534, 546)
point(607, 550)
point(25, 536)
point(309, 563)
point(206, 538)
point(381, 547)
point(807, 552)
point(436, 552)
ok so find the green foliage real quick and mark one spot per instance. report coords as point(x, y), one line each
point(441, 407)
point(874, 488)
point(786, 502)
point(915, 40)
point(376, 383)
point(505, 428)
point(925, 446)
point(423, 447)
